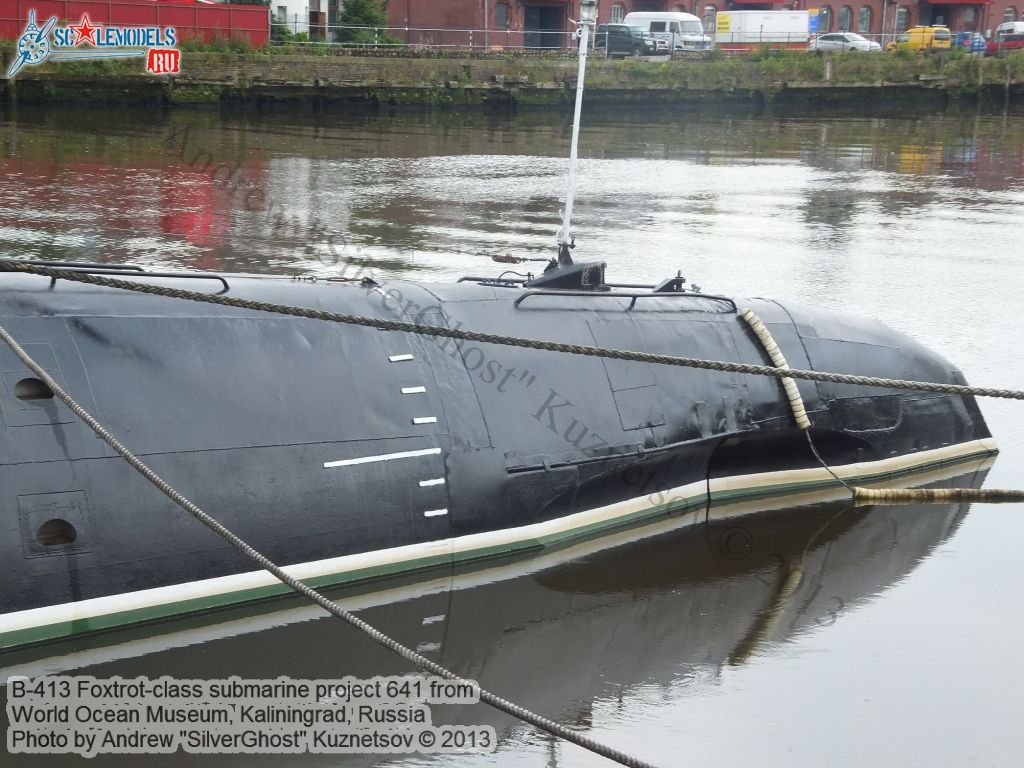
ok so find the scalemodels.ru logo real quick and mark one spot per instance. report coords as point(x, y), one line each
point(93, 41)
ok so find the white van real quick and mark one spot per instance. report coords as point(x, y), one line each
point(1009, 38)
point(683, 31)
point(1011, 28)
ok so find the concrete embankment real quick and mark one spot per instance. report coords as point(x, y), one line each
point(792, 80)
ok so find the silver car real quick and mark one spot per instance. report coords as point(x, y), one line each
point(837, 42)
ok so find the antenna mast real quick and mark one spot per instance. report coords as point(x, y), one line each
point(588, 15)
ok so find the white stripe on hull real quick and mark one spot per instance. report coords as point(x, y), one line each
point(506, 539)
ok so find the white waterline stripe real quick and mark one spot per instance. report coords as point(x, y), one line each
point(485, 575)
point(149, 598)
point(400, 358)
point(436, 481)
point(435, 512)
point(425, 420)
point(382, 457)
point(549, 528)
point(858, 469)
point(413, 390)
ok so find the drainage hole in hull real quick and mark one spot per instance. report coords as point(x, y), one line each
point(32, 389)
point(54, 533)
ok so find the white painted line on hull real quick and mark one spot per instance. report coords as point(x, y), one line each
point(382, 457)
point(435, 512)
point(425, 420)
point(413, 390)
point(444, 585)
point(435, 481)
point(223, 585)
point(400, 358)
point(428, 647)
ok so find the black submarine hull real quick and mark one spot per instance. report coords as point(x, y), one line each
point(350, 454)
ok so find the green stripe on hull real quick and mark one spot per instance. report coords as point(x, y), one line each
point(555, 540)
point(782, 489)
point(198, 605)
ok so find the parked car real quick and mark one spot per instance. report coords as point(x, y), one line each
point(627, 40)
point(1009, 36)
point(922, 39)
point(972, 42)
point(842, 41)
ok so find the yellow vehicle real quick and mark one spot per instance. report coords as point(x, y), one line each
point(922, 39)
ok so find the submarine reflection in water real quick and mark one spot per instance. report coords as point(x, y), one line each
point(563, 631)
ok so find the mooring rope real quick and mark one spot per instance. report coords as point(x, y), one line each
point(796, 402)
point(13, 265)
point(863, 497)
point(503, 705)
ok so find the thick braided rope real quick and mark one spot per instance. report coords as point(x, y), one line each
point(796, 403)
point(8, 265)
point(328, 605)
point(872, 496)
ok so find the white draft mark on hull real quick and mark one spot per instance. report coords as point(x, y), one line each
point(413, 390)
point(382, 457)
point(400, 358)
point(435, 481)
point(425, 420)
point(435, 512)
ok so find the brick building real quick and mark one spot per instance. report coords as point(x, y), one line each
point(545, 23)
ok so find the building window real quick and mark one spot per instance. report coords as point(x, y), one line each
point(501, 15)
point(709, 19)
point(825, 19)
point(845, 18)
point(902, 21)
point(969, 20)
point(864, 19)
point(618, 13)
point(1010, 14)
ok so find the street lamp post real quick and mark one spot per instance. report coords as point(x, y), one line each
point(588, 15)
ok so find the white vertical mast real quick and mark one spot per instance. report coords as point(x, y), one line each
point(588, 14)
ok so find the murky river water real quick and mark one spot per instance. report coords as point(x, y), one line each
point(901, 645)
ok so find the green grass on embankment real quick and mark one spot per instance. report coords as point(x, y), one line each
point(231, 72)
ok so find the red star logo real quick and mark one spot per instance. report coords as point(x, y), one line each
point(85, 32)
